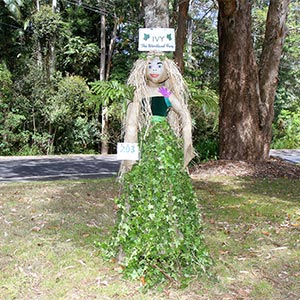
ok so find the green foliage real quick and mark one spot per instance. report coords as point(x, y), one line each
point(111, 91)
point(286, 130)
point(73, 32)
point(71, 127)
point(47, 24)
point(10, 120)
point(112, 94)
point(289, 84)
point(288, 89)
point(203, 99)
point(207, 148)
point(12, 135)
point(158, 230)
point(202, 77)
point(259, 16)
point(110, 97)
point(6, 83)
point(201, 59)
point(204, 110)
point(86, 134)
point(78, 54)
point(48, 117)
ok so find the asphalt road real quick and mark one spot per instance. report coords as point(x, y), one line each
point(44, 168)
point(292, 156)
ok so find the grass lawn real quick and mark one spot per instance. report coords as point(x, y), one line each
point(47, 229)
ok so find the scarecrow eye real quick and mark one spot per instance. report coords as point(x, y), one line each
point(159, 65)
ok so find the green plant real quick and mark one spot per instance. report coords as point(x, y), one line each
point(109, 93)
point(158, 232)
point(47, 25)
point(286, 130)
point(204, 110)
point(78, 55)
point(5, 82)
point(110, 98)
point(207, 149)
point(12, 133)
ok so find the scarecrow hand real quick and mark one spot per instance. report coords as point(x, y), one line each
point(165, 92)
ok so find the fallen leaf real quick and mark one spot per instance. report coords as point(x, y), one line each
point(267, 233)
point(82, 262)
point(143, 281)
point(101, 282)
point(36, 229)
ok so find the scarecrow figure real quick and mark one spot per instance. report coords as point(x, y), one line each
point(160, 92)
point(157, 236)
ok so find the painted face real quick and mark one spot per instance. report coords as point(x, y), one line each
point(156, 72)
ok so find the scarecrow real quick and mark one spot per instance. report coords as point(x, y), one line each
point(160, 95)
point(157, 237)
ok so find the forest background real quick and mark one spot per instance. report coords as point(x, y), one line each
point(64, 66)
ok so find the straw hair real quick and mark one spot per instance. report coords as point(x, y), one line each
point(174, 82)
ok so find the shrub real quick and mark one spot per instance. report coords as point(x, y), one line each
point(286, 134)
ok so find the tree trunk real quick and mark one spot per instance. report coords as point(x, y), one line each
point(246, 103)
point(156, 13)
point(52, 52)
point(111, 47)
point(104, 114)
point(269, 65)
point(181, 34)
point(39, 57)
point(189, 40)
point(102, 48)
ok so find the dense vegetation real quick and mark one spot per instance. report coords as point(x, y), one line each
point(51, 100)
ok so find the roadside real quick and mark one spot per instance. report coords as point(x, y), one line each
point(57, 167)
point(290, 155)
point(282, 163)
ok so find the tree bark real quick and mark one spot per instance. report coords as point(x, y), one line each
point(181, 34)
point(156, 13)
point(275, 34)
point(104, 113)
point(246, 101)
point(111, 47)
point(102, 48)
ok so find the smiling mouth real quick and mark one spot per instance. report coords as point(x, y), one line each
point(154, 75)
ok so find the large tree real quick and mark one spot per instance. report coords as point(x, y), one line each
point(181, 33)
point(156, 13)
point(248, 87)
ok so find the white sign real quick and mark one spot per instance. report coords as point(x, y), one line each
point(128, 151)
point(156, 39)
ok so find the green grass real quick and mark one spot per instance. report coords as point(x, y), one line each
point(47, 229)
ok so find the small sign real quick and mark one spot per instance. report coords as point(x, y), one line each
point(156, 39)
point(128, 151)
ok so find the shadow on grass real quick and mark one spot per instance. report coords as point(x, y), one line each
point(48, 228)
point(82, 212)
point(252, 230)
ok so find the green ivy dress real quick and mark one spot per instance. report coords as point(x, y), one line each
point(158, 231)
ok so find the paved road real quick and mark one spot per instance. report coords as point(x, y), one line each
point(57, 167)
point(39, 168)
point(292, 156)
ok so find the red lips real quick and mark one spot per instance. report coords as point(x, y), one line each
point(154, 75)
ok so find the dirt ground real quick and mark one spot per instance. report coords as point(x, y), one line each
point(272, 168)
